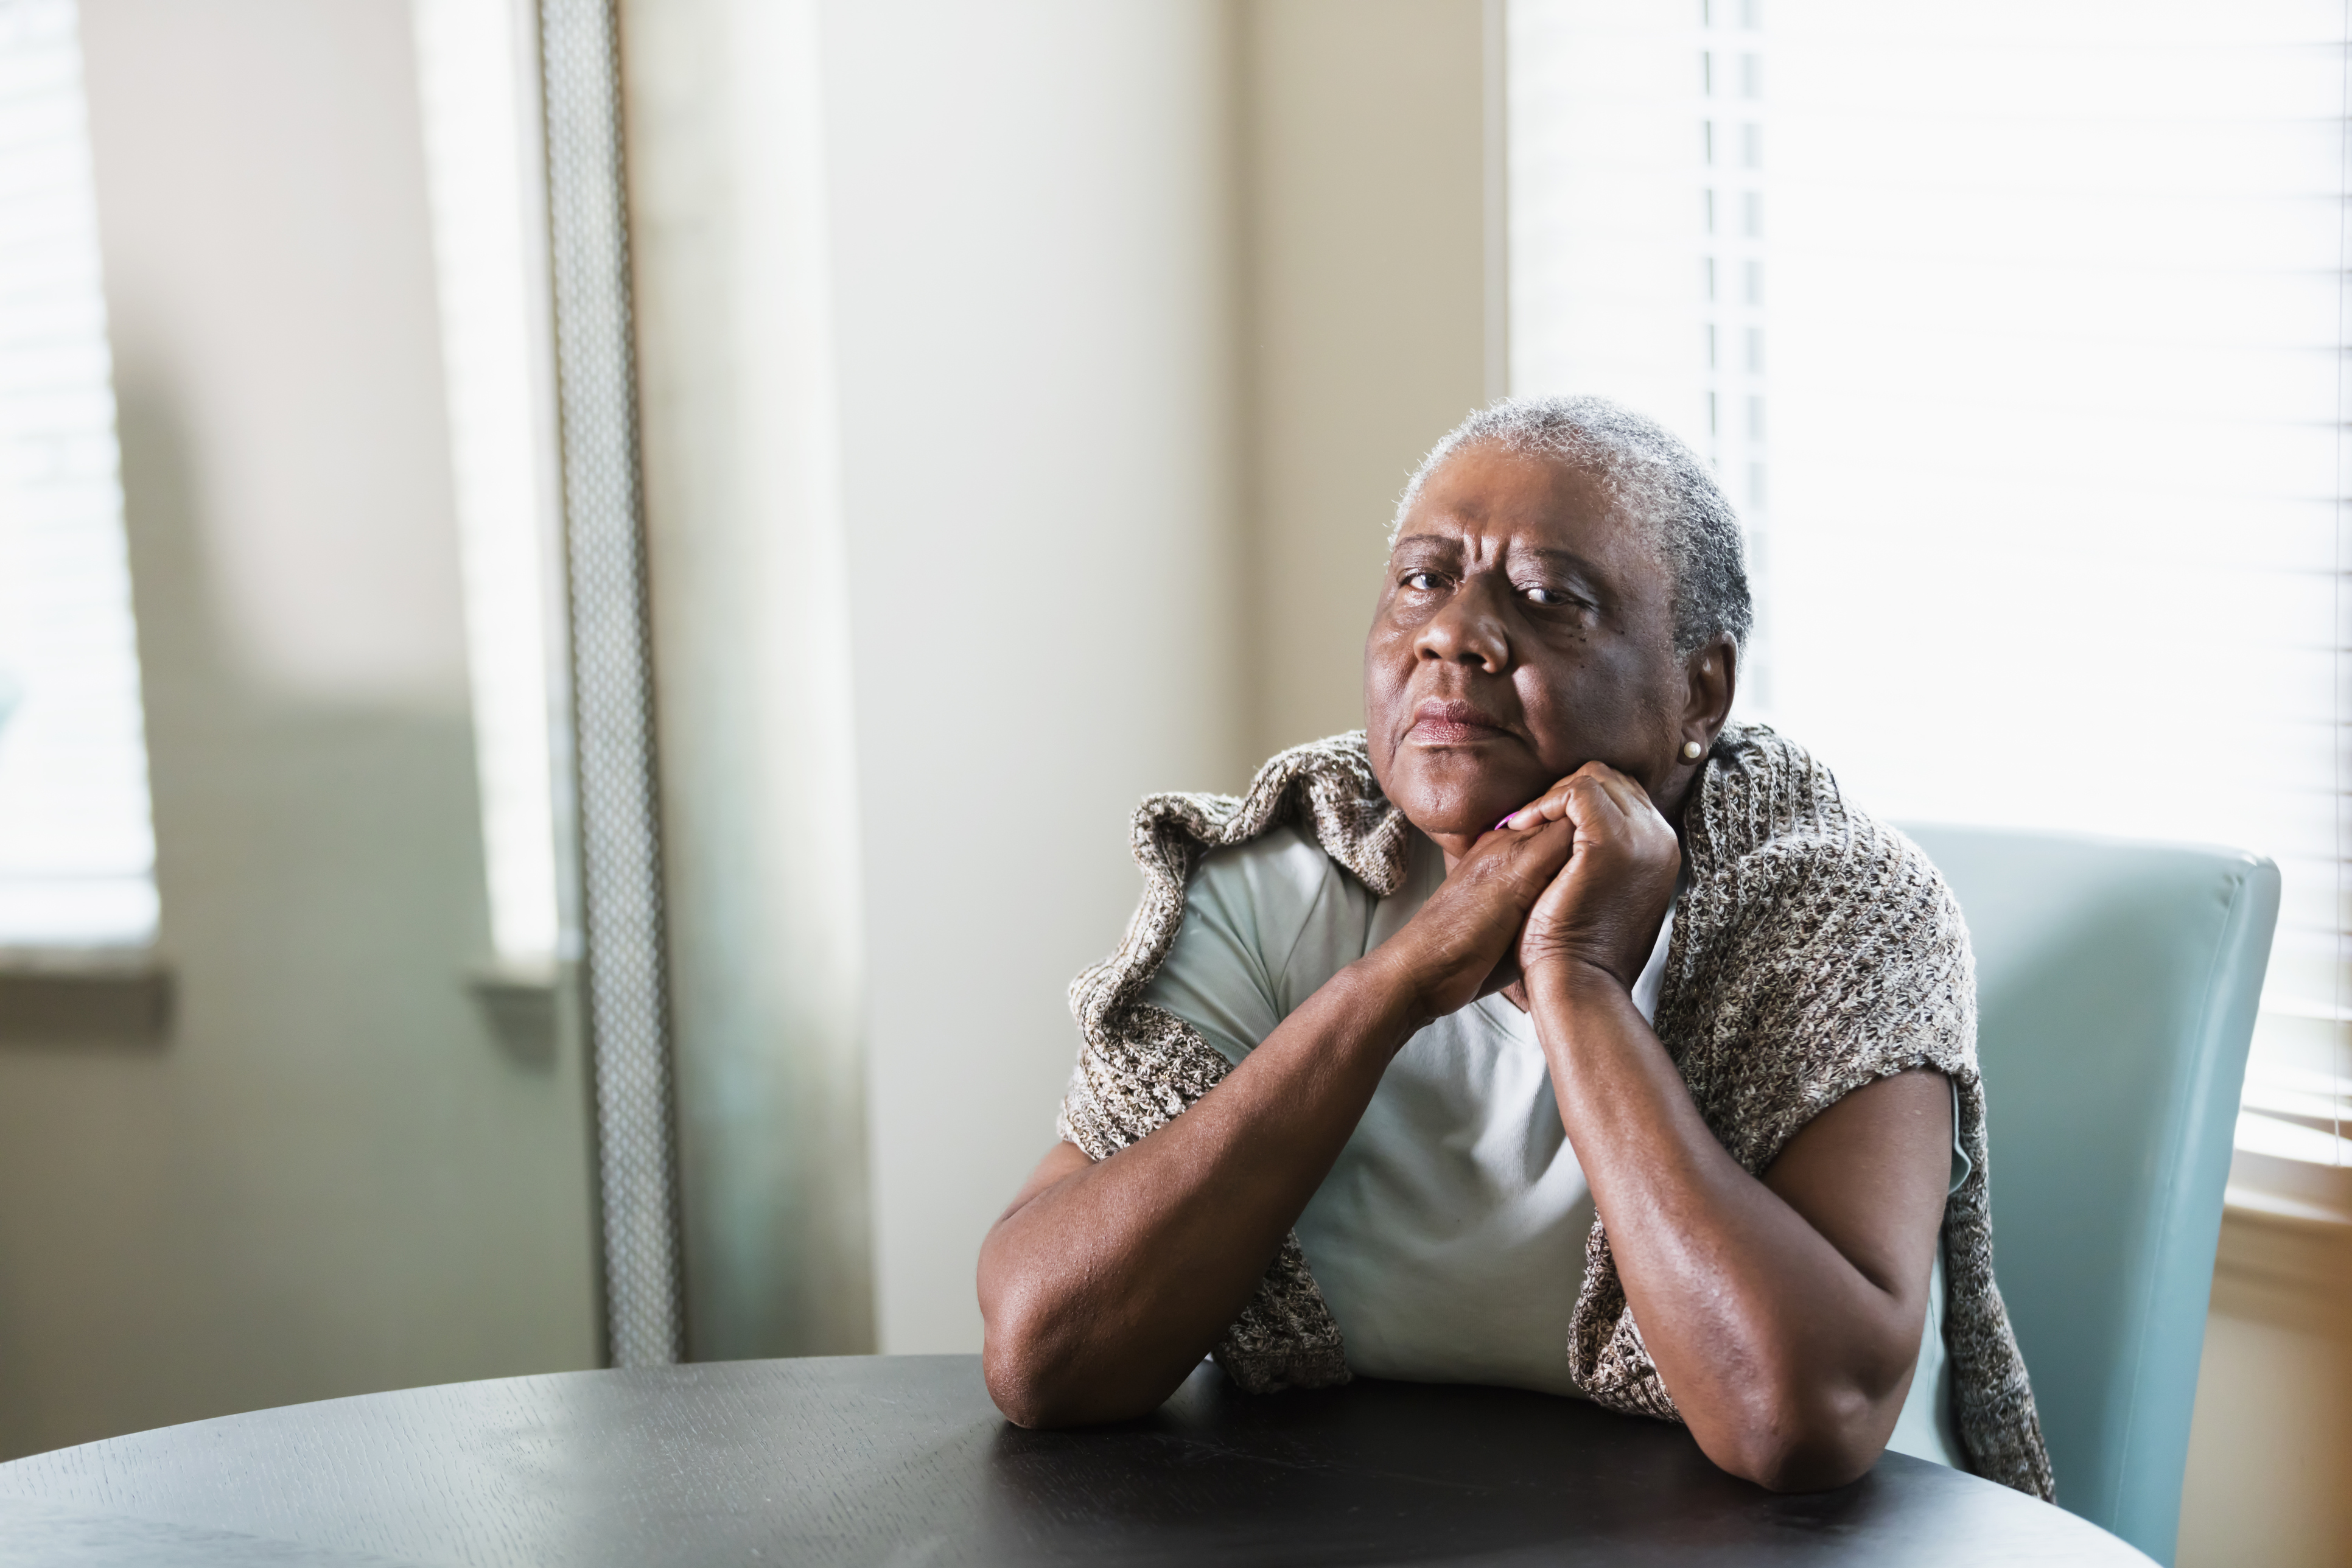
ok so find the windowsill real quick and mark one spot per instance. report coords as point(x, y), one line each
point(2273, 1209)
point(2289, 1190)
point(84, 995)
point(2285, 1254)
point(518, 998)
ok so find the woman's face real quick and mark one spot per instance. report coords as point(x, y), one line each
point(1525, 629)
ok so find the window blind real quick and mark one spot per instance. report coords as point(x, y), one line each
point(2018, 332)
point(77, 843)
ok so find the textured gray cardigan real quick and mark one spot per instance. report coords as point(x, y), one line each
point(1815, 951)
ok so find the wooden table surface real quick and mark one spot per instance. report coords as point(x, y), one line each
point(901, 1460)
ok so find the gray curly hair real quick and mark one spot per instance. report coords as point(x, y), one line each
point(1656, 478)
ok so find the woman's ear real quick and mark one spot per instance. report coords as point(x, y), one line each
point(1712, 679)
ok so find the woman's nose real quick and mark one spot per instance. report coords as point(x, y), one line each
point(1468, 629)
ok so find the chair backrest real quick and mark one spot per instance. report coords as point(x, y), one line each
point(2117, 984)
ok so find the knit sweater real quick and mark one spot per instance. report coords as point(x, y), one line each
point(1815, 951)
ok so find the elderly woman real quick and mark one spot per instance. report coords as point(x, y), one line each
point(1551, 1004)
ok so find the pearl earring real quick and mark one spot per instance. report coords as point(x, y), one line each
point(1692, 750)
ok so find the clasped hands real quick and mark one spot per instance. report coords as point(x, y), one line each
point(1567, 891)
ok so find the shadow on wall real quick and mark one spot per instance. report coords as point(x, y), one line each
point(328, 1178)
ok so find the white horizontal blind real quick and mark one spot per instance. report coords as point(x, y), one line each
point(1636, 215)
point(2028, 323)
point(77, 844)
point(471, 76)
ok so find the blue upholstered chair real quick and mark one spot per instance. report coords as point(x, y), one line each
point(2117, 984)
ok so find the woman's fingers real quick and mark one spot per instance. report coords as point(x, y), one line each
point(1494, 890)
point(1604, 905)
point(1472, 924)
point(1529, 815)
point(1550, 807)
point(1631, 801)
point(1593, 779)
point(1532, 858)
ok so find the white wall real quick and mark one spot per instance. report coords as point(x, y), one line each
point(1143, 314)
point(328, 1178)
point(1032, 269)
point(1363, 171)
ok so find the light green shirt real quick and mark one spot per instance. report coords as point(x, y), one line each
point(1448, 1239)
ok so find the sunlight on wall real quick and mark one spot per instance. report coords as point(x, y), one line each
point(474, 96)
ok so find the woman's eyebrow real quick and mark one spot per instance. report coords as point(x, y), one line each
point(1567, 560)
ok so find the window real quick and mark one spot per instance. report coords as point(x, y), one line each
point(2018, 334)
point(471, 66)
point(77, 841)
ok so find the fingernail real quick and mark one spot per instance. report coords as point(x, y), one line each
point(1506, 822)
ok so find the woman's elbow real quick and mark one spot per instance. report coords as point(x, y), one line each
point(1019, 1388)
point(1803, 1439)
point(1020, 1397)
point(1807, 1462)
point(1035, 1366)
point(1018, 1361)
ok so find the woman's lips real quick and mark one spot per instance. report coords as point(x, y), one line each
point(1453, 724)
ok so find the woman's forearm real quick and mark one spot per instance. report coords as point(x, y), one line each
point(1105, 1283)
point(1785, 1359)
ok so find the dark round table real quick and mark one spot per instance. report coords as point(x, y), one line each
point(901, 1460)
